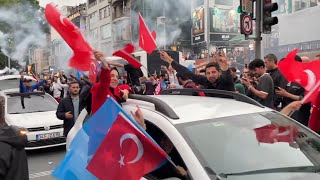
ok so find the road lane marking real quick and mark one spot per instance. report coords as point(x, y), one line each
point(40, 174)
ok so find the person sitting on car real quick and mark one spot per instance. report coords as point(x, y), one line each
point(25, 84)
point(107, 85)
point(168, 170)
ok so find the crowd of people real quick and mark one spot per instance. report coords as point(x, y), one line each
point(261, 80)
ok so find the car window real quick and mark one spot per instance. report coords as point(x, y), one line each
point(251, 142)
point(32, 104)
point(167, 170)
point(11, 84)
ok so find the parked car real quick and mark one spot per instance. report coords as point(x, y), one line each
point(228, 136)
point(35, 114)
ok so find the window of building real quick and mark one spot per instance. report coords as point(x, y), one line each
point(104, 12)
point(105, 31)
point(93, 18)
point(95, 34)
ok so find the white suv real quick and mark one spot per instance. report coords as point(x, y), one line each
point(227, 136)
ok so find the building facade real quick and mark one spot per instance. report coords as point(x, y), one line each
point(297, 28)
point(214, 24)
point(121, 23)
point(59, 51)
point(171, 21)
point(99, 25)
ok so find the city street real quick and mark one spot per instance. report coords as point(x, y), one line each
point(42, 162)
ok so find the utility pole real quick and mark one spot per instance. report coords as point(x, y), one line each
point(258, 30)
point(208, 29)
point(9, 62)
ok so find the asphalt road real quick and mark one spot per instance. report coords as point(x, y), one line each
point(42, 162)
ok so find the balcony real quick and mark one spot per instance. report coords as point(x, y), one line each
point(92, 4)
point(116, 16)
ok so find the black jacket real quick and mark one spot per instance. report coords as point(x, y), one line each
point(225, 82)
point(64, 106)
point(133, 75)
point(278, 78)
point(13, 158)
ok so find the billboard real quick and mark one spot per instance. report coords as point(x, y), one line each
point(198, 21)
point(223, 20)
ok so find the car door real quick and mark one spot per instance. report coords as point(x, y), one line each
point(163, 124)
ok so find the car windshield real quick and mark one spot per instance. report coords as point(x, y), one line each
point(32, 104)
point(251, 142)
point(11, 84)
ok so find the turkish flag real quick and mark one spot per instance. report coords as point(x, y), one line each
point(158, 89)
point(93, 72)
point(147, 40)
point(71, 34)
point(307, 74)
point(125, 153)
point(125, 53)
point(314, 121)
point(272, 133)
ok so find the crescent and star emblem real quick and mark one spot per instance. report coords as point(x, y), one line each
point(136, 140)
point(311, 79)
point(62, 20)
point(93, 66)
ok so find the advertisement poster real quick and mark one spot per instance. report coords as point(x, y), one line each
point(198, 21)
point(223, 20)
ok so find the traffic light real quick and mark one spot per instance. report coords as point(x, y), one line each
point(267, 19)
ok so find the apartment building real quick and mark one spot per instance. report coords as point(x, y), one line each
point(99, 25)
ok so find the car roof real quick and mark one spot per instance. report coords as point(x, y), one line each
point(195, 108)
point(15, 77)
point(186, 108)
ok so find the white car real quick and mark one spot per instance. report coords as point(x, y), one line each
point(35, 114)
point(228, 136)
point(13, 81)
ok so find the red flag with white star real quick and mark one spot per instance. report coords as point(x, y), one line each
point(125, 153)
point(147, 40)
point(71, 34)
point(126, 54)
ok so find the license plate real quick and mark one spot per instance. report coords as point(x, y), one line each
point(47, 136)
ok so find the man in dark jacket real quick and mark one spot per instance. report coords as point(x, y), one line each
point(13, 158)
point(70, 107)
point(218, 75)
point(279, 80)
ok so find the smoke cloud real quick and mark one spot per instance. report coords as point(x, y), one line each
point(25, 31)
point(177, 13)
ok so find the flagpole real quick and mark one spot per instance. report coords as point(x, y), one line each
point(316, 87)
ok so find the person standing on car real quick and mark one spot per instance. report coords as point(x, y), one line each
point(263, 92)
point(217, 75)
point(70, 107)
point(25, 84)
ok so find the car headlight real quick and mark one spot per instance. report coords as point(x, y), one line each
point(23, 131)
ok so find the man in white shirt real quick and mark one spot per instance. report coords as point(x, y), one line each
point(56, 88)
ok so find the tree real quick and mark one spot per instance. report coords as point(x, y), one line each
point(29, 15)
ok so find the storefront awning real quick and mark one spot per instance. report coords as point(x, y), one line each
point(239, 40)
